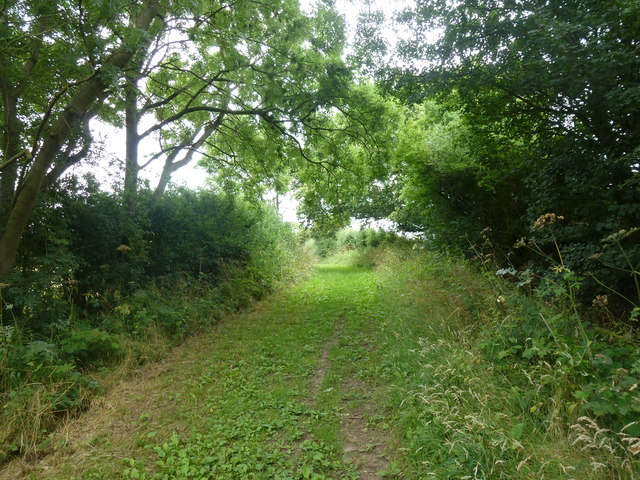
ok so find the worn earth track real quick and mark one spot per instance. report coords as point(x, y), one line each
point(323, 363)
point(362, 445)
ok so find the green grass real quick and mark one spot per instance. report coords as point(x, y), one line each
point(233, 404)
point(461, 413)
point(269, 394)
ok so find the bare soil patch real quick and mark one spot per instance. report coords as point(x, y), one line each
point(363, 444)
point(324, 362)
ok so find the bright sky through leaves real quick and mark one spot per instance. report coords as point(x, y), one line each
point(194, 176)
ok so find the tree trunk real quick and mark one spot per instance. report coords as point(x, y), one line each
point(11, 147)
point(132, 167)
point(68, 119)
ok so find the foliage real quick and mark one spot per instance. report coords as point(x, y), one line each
point(259, 81)
point(549, 94)
point(258, 78)
point(83, 301)
point(454, 182)
point(355, 148)
point(512, 135)
point(347, 239)
point(408, 353)
point(498, 384)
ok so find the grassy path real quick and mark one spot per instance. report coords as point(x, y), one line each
point(348, 375)
point(277, 393)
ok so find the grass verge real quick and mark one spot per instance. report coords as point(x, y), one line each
point(464, 408)
point(353, 373)
point(46, 380)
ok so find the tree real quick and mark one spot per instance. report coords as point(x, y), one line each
point(564, 73)
point(454, 181)
point(62, 59)
point(216, 77)
point(561, 78)
point(285, 86)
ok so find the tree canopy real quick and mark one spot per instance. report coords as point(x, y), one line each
point(497, 113)
point(241, 82)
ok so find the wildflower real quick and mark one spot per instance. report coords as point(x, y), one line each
point(558, 269)
point(123, 248)
point(601, 301)
point(520, 243)
point(546, 219)
point(501, 300)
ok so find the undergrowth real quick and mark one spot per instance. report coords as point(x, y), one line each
point(499, 384)
point(45, 379)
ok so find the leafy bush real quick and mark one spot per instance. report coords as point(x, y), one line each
point(96, 287)
point(86, 346)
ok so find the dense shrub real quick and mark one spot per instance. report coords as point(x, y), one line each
point(348, 239)
point(96, 286)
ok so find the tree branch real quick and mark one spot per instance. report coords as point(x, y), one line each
point(17, 156)
point(187, 111)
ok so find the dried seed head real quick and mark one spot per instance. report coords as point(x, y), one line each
point(620, 235)
point(601, 301)
point(546, 219)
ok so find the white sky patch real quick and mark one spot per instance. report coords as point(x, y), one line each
point(285, 204)
point(384, 224)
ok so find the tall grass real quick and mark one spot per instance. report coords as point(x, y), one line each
point(494, 384)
